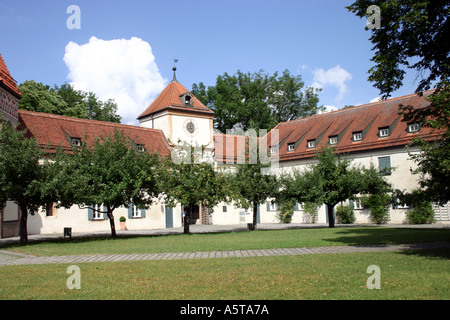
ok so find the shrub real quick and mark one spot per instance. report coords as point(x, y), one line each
point(421, 213)
point(122, 219)
point(379, 207)
point(286, 212)
point(311, 209)
point(345, 214)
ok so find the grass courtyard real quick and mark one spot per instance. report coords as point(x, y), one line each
point(415, 274)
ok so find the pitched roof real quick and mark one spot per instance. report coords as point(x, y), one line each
point(171, 98)
point(367, 119)
point(7, 81)
point(53, 131)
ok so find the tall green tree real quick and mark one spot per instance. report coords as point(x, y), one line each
point(65, 100)
point(252, 182)
point(331, 180)
point(190, 179)
point(413, 35)
point(251, 186)
point(111, 173)
point(258, 100)
point(21, 175)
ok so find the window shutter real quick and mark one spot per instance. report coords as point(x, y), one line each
point(105, 212)
point(90, 213)
point(296, 206)
point(352, 204)
point(268, 206)
point(277, 207)
point(130, 210)
point(142, 213)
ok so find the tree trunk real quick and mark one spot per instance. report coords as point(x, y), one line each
point(23, 231)
point(111, 222)
point(330, 209)
point(187, 219)
point(255, 214)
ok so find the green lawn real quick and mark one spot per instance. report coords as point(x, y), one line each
point(415, 274)
point(289, 238)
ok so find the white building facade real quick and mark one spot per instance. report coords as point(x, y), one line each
point(367, 134)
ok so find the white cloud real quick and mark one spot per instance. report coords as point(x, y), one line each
point(120, 69)
point(336, 77)
point(329, 108)
point(376, 99)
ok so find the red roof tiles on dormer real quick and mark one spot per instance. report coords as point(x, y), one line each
point(172, 98)
point(7, 81)
point(53, 131)
point(367, 119)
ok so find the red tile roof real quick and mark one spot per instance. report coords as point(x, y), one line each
point(170, 98)
point(53, 131)
point(368, 119)
point(6, 80)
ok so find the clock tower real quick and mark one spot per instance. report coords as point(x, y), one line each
point(180, 115)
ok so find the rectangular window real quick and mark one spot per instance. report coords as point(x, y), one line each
point(291, 146)
point(413, 128)
point(135, 212)
point(311, 144)
point(140, 148)
point(357, 205)
point(273, 150)
point(96, 212)
point(384, 165)
point(383, 132)
point(224, 209)
point(333, 140)
point(357, 136)
point(75, 142)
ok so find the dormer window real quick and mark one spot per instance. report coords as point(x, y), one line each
point(333, 140)
point(291, 147)
point(357, 136)
point(383, 132)
point(186, 98)
point(413, 127)
point(311, 144)
point(140, 148)
point(75, 142)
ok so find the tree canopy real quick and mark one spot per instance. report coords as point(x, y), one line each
point(258, 100)
point(111, 173)
point(65, 100)
point(21, 175)
point(331, 180)
point(414, 35)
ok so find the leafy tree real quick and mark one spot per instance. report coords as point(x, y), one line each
point(191, 180)
point(20, 173)
point(252, 186)
point(67, 101)
point(257, 101)
point(251, 182)
point(109, 172)
point(331, 180)
point(413, 35)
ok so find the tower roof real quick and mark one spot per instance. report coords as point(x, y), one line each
point(173, 97)
point(7, 81)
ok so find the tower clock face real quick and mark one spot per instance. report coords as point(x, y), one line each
point(190, 127)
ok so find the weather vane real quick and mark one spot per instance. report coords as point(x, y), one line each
point(174, 69)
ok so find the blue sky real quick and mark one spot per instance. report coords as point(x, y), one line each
point(125, 49)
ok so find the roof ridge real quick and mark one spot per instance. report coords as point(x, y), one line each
point(366, 105)
point(74, 119)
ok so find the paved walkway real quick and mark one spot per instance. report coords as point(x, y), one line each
point(11, 258)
